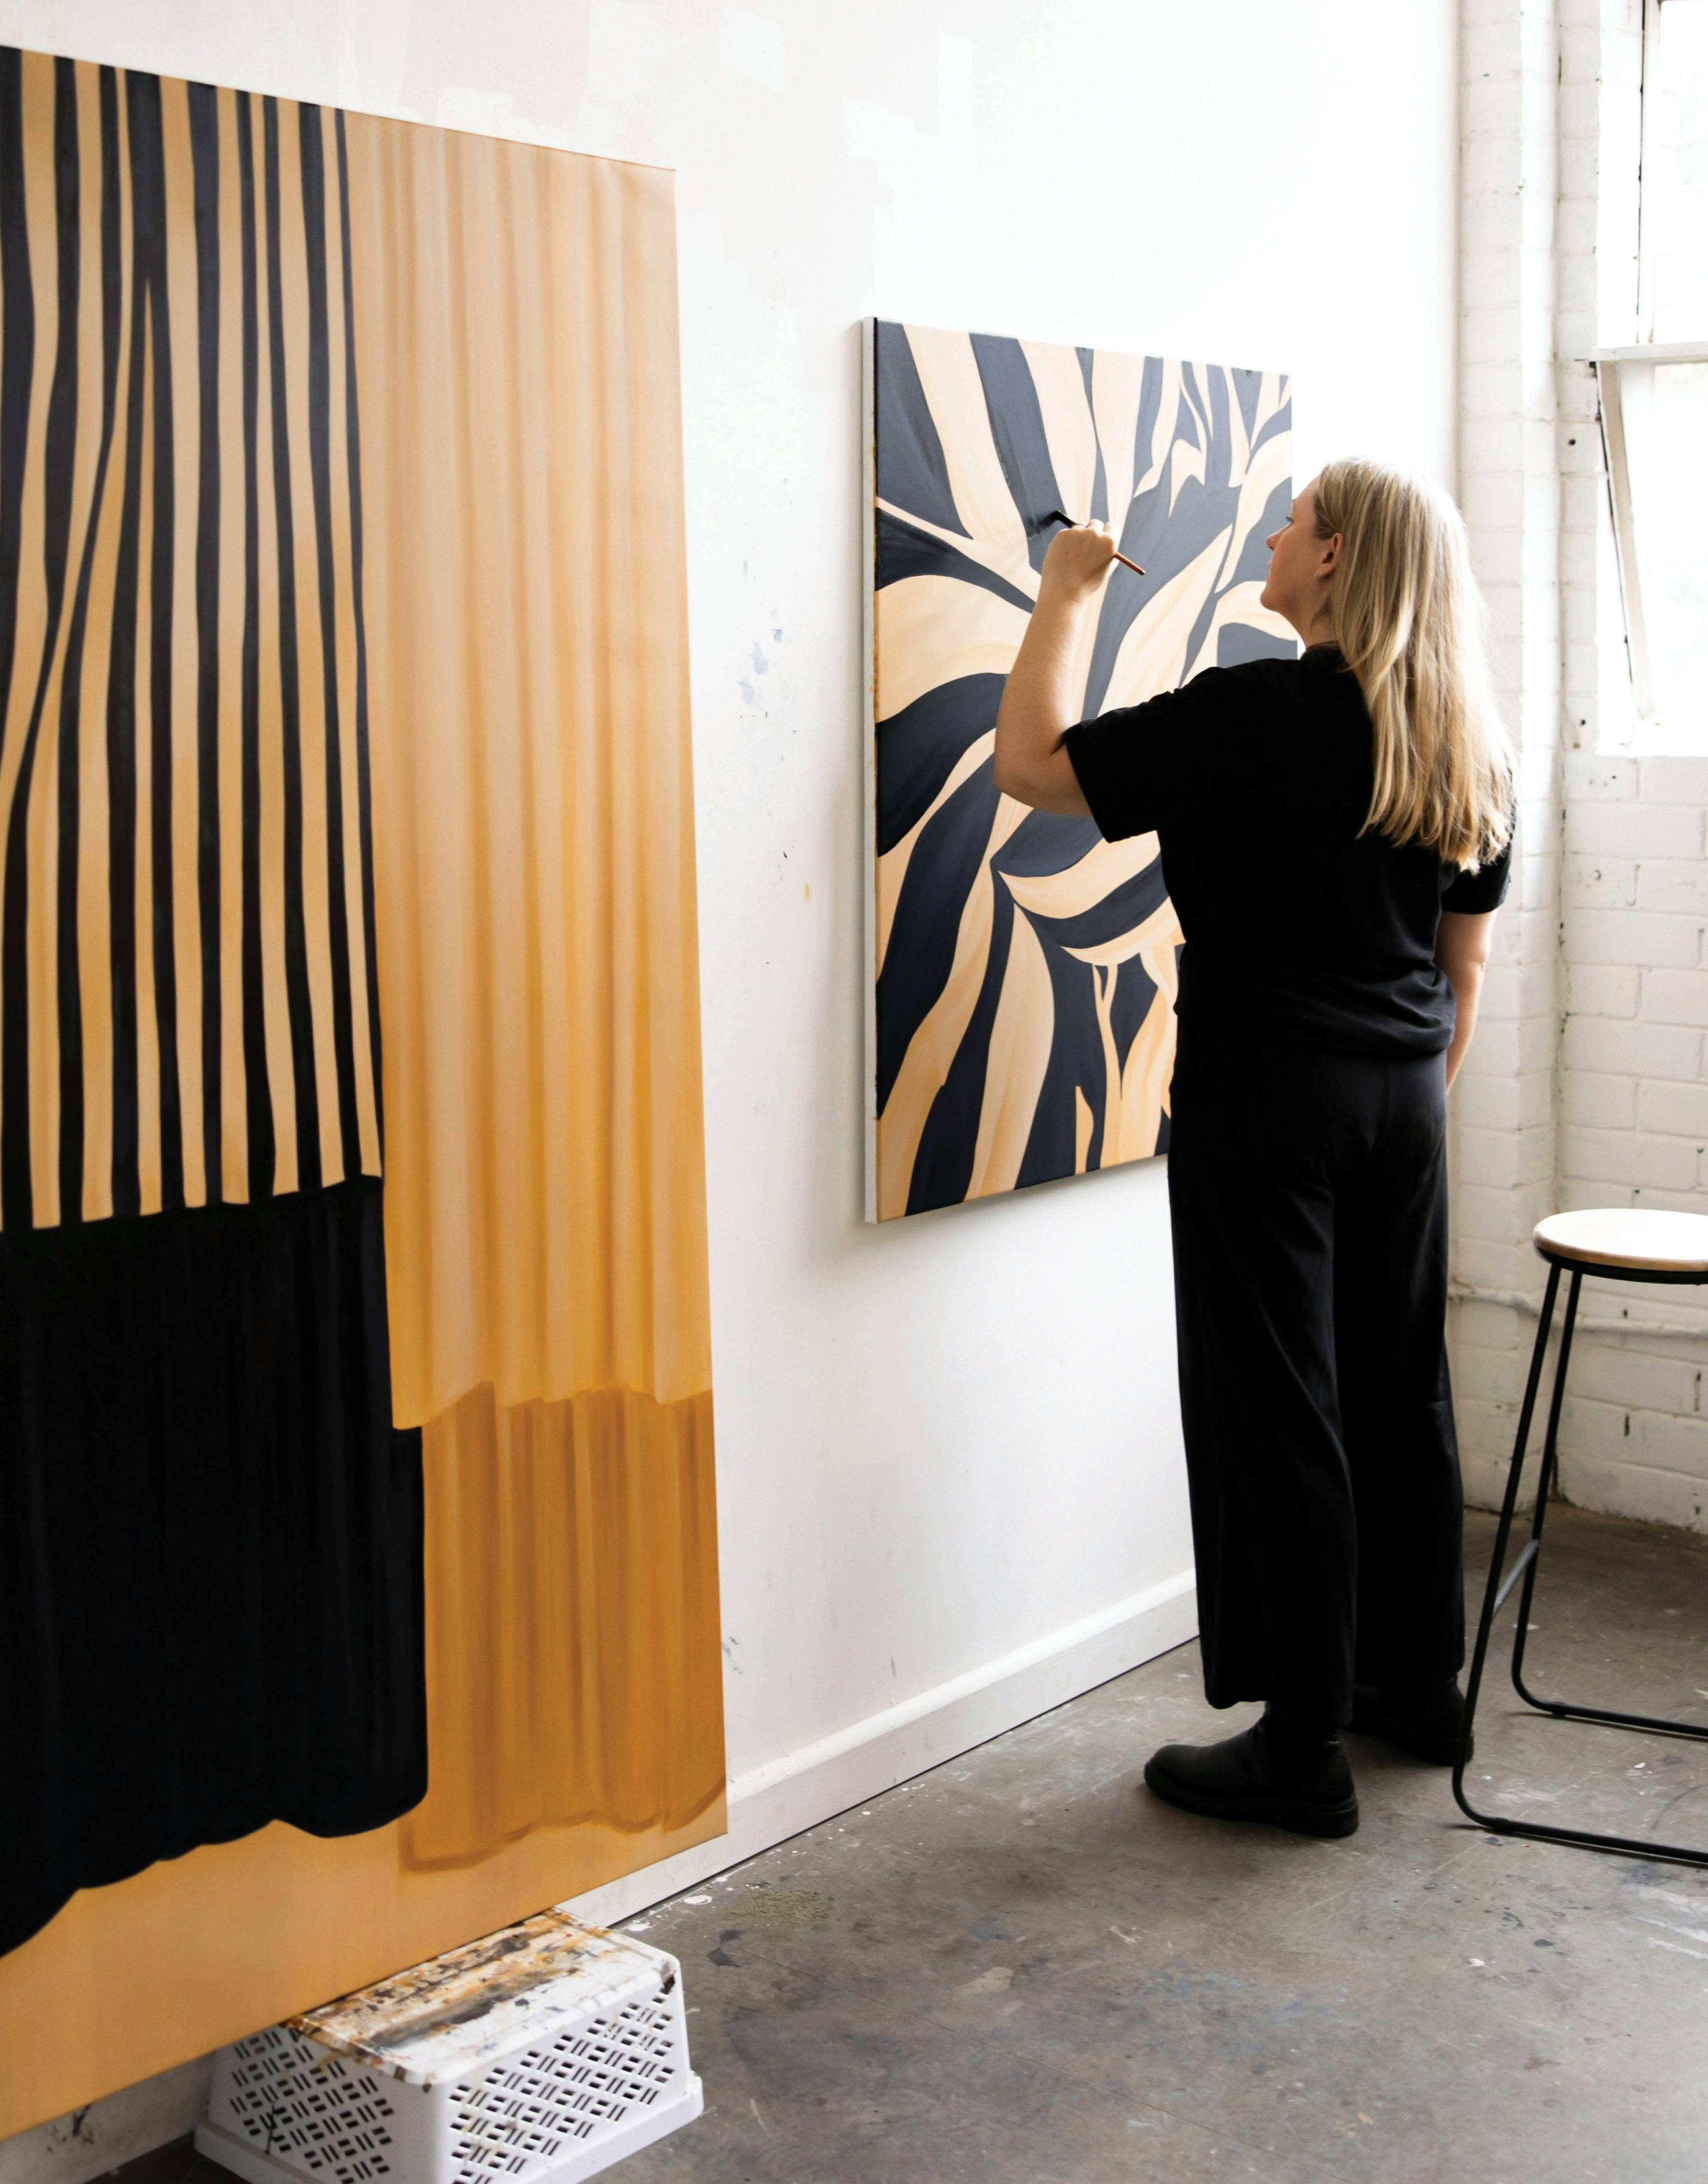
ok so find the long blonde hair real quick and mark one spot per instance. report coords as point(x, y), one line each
point(1408, 620)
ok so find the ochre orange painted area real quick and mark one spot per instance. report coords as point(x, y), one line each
point(574, 1669)
point(533, 816)
point(538, 977)
point(202, 1949)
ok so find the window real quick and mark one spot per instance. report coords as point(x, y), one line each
point(1654, 394)
point(1673, 300)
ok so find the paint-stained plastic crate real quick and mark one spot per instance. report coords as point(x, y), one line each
point(541, 2054)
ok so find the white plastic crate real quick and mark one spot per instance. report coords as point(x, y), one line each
point(540, 2054)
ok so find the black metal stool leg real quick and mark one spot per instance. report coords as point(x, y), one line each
point(1493, 1592)
point(1563, 1709)
point(1545, 1487)
point(1501, 1583)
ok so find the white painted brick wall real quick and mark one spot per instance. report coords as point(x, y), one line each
point(1635, 1114)
point(1505, 1122)
point(1585, 1086)
point(1635, 1117)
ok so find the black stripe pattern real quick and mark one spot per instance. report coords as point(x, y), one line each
point(186, 1007)
point(211, 1611)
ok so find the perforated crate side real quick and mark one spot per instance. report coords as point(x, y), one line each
point(286, 2107)
point(593, 2083)
point(325, 2117)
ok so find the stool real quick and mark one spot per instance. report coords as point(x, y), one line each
point(1621, 1246)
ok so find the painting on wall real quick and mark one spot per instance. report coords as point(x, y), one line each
point(1020, 1015)
point(358, 1566)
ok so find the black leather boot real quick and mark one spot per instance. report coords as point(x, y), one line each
point(1303, 1783)
point(1423, 1719)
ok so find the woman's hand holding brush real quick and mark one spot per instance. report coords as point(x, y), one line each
point(1040, 699)
point(1079, 560)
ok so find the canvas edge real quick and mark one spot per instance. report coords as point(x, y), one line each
point(868, 534)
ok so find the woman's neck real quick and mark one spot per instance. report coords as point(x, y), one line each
point(1314, 627)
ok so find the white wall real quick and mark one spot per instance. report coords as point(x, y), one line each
point(945, 1445)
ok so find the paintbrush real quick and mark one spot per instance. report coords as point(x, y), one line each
point(1056, 515)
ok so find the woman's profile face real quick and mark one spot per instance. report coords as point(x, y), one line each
point(1294, 552)
point(1302, 568)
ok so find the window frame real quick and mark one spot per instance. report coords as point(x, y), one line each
point(1607, 363)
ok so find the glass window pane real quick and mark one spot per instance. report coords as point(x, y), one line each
point(1665, 412)
point(1675, 180)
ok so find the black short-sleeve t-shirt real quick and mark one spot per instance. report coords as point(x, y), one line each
point(1301, 929)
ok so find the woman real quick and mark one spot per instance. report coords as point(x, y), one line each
point(1334, 835)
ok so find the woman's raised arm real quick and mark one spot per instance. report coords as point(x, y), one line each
point(1037, 709)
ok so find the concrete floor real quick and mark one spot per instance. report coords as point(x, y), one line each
point(1022, 1969)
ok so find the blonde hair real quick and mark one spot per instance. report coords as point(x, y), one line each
point(1410, 622)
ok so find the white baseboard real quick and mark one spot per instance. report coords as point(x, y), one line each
point(766, 1806)
point(782, 1798)
point(1616, 1488)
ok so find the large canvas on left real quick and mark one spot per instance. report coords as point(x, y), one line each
point(357, 1544)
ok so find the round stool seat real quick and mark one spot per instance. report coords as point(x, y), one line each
point(1640, 1241)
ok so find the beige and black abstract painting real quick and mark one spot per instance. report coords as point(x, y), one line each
point(1021, 1022)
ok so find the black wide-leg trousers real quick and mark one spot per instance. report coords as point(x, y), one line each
point(1308, 1202)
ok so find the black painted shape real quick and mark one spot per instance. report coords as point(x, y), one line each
point(943, 1165)
point(297, 1004)
point(903, 551)
point(210, 1541)
point(1017, 428)
point(68, 968)
point(1219, 452)
point(1076, 1059)
point(148, 203)
point(17, 359)
point(1249, 387)
point(1188, 419)
point(121, 726)
point(261, 1139)
point(1165, 541)
point(1118, 913)
point(1282, 421)
point(1046, 842)
point(16, 1180)
point(1237, 643)
point(204, 157)
point(1130, 1004)
point(1215, 520)
point(1145, 425)
point(313, 192)
point(1216, 509)
point(920, 747)
point(940, 876)
point(912, 473)
point(364, 829)
point(1099, 1108)
point(1099, 510)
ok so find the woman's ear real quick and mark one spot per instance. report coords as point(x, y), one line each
point(1328, 559)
